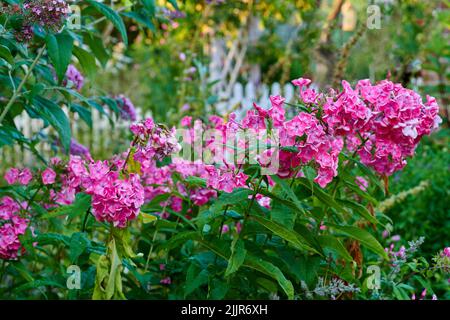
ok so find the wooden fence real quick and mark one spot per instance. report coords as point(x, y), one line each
point(104, 139)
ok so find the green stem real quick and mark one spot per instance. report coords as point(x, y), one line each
point(150, 251)
point(86, 216)
point(247, 212)
point(22, 83)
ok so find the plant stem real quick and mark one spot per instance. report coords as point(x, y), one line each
point(150, 251)
point(22, 83)
point(86, 216)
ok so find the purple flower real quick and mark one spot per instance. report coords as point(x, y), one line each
point(74, 76)
point(46, 13)
point(126, 107)
point(77, 149)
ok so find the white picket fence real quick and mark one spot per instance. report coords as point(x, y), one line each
point(103, 139)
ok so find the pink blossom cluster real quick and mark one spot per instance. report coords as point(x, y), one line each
point(384, 122)
point(154, 141)
point(14, 175)
point(114, 199)
point(12, 225)
point(446, 252)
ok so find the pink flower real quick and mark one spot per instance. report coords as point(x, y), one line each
point(166, 280)
point(300, 82)
point(225, 229)
point(48, 176)
point(12, 175)
point(362, 183)
point(186, 121)
point(25, 177)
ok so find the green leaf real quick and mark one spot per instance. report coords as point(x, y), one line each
point(53, 114)
point(236, 197)
point(140, 18)
point(221, 249)
point(195, 279)
point(368, 172)
point(321, 195)
point(272, 271)
point(87, 61)
point(359, 209)
point(333, 244)
point(112, 16)
point(363, 236)
point(180, 239)
point(286, 188)
point(237, 257)
point(174, 3)
point(59, 48)
point(108, 280)
point(84, 113)
point(78, 207)
point(148, 218)
point(96, 45)
point(79, 242)
point(150, 5)
point(290, 236)
point(51, 238)
point(5, 53)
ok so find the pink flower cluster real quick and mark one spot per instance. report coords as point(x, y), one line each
point(154, 141)
point(384, 122)
point(114, 199)
point(14, 175)
point(12, 225)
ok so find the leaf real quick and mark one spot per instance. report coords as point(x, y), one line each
point(79, 242)
point(220, 248)
point(150, 6)
point(218, 289)
point(51, 238)
point(174, 3)
point(368, 172)
point(84, 113)
point(5, 53)
point(180, 238)
point(141, 18)
point(363, 236)
point(334, 245)
point(96, 45)
point(194, 279)
point(53, 114)
point(237, 257)
point(78, 207)
point(286, 188)
point(359, 209)
point(148, 218)
point(193, 181)
point(112, 16)
point(59, 48)
point(290, 236)
point(87, 61)
point(39, 283)
point(237, 196)
point(108, 281)
point(321, 195)
point(272, 271)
